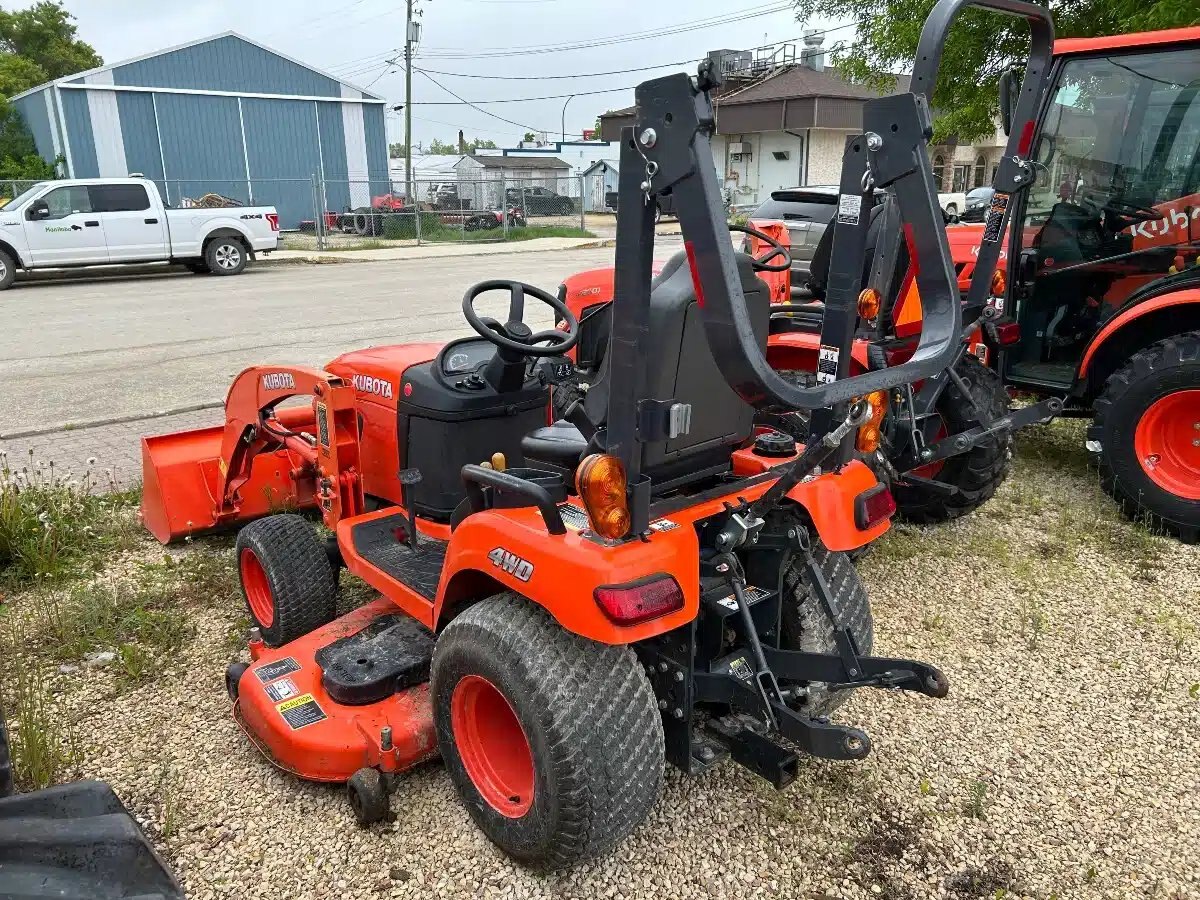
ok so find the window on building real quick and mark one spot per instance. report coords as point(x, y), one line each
point(980, 171)
point(781, 155)
point(64, 201)
point(118, 197)
point(962, 178)
point(939, 171)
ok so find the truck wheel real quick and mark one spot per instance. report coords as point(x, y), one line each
point(8, 270)
point(1146, 436)
point(554, 742)
point(806, 626)
point(225, 256)
point(976, 474)
point(290, 587)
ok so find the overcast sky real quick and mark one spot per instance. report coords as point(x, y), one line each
point(354, 38)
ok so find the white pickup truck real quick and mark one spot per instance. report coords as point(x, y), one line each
point(105, 221)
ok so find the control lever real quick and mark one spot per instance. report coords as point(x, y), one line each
point(409, 478)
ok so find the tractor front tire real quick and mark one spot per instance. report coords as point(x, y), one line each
point(554, 742)
point(1146, 433)
point(977, 474)
point(806, 627)
point(289, 584)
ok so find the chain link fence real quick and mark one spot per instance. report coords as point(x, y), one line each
point(331, 214)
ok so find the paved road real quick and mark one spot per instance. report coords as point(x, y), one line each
point(82, 351)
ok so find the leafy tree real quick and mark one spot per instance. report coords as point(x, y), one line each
point(37, 45)
point(529, 138)
point(980, 47)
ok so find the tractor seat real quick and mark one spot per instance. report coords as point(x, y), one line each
point(560, 445)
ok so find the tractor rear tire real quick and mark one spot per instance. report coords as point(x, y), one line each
point(806, 626)
point(1150, 410)
point(554, 742)
point(976, 474)
point(289, 584)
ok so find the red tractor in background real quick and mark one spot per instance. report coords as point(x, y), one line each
point(1099, 315)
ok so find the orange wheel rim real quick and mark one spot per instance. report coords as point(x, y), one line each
point(492, 746)
point(257, 588)
point(1167, 443)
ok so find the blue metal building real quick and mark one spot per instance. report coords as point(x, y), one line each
point(221, 114)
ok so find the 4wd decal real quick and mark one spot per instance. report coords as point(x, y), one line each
point(278, 381)
point(521, 569)
point(365, 384)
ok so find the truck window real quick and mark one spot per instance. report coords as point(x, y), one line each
point(118, 197)
point(64, 201)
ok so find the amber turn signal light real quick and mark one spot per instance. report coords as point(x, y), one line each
point(869, 433)
point(601, 483)
point(999, 283)
point(869, 304)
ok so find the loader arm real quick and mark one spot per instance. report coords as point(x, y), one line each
point(328, 455)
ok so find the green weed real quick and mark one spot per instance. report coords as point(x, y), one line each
point(977, 803)
point(43, 744)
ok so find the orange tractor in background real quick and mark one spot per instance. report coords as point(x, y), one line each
point(660, 577)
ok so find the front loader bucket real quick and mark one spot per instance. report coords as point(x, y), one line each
point(180, 477)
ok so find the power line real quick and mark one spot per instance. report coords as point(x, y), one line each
point(515, 99)
point(537, 49)
point(479, 108)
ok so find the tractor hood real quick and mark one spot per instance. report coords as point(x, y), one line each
point(376, 372)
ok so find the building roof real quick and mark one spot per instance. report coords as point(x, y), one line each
point(367, 95)
point(801, 81)
point(613, 164)
point(520, 162)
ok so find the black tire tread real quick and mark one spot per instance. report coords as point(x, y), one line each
point(371, 790)
point(210, 258)
point(10, 270)
point(1178, 350)
point(807, 627)
point(303, 583)
point(597, 710)
point(977, 474)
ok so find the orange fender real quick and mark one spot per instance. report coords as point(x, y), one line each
point(797, 350)
point(1120, 320)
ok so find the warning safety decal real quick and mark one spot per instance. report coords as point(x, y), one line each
point(301, 711)
point(277, 669)
point(995, 217)
point(849, 209)
point(827, 364)
point(283, 689)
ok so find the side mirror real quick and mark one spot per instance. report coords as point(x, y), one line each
point(1010, 91)
point(39, 209)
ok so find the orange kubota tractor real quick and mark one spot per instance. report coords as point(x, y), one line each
point(565, 607)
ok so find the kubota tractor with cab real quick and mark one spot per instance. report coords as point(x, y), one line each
point(563, 607)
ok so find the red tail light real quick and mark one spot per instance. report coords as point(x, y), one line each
point(873, 506)
point(273, 221)
point(640, 601)
point(1002, 333)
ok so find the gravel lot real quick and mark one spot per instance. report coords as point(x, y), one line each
point(1063, 764)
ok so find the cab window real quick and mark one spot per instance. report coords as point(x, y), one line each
point(118, 197)
point(65, 201)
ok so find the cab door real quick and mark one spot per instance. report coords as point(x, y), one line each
point(62, 230)
point(132, 229)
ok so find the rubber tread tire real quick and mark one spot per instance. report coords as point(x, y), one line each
point(303, 583)
point(591, 718)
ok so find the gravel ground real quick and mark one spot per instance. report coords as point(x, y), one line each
point(1063, 764)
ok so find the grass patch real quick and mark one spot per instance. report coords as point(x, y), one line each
point(44, 747)
point(52, 522)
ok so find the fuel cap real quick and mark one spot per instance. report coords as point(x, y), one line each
point(774, 444)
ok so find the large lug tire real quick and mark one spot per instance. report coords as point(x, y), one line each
point(1146, 436)
point(8, 270)
point(807, 627)
point(554, 742)
point(564, 395)
point(6, 775)
point(289, 584)
point(226, 256)
point(976, 474)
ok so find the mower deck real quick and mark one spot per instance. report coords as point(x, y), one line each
point(351, 695)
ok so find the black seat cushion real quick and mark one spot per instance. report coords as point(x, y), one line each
point(561, 445)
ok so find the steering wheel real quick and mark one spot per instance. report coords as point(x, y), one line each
point(762, 263)
point(1134, 212)
point(514, 334)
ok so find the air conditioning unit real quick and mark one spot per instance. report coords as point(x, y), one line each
point(740, 148)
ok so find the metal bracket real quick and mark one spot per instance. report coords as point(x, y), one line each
point(1038, 413)
point(662, 420)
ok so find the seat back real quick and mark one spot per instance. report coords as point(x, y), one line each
point(683, 370)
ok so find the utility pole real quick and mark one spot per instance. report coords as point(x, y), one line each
point(409, 42)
